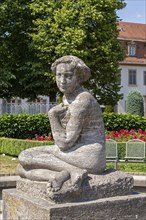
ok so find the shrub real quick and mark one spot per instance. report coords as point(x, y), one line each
point(13, 147)
point(109, 108)
point(117, 122)
point(24, 125)
point(134, 103)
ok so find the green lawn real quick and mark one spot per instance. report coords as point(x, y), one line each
point(129, 167)
point(8, 166)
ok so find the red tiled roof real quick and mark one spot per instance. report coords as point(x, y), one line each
point(132, 31)
point(134, 60)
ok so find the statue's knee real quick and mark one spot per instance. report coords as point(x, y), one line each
point(23, 158)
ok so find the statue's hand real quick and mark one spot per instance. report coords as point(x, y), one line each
point(58, 110)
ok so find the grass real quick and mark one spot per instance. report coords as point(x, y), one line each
point(129, 167)
point(8, 166)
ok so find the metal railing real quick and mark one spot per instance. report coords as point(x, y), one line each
point(26, 108)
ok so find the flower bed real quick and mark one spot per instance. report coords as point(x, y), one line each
point(126, 135)
point(41, 138)
point(119, 136)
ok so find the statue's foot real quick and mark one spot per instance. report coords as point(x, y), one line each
point(57, 181)
point(77, 179)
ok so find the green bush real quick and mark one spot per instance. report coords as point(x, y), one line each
point(134, 103)
point(117, 122)
point(109, 108)
point(13, 147)
point(24, 125)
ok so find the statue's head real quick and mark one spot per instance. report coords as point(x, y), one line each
point(81, 70)
point(70, 71)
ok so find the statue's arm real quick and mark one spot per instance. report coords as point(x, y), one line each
point(66, 138)
point(55, 115)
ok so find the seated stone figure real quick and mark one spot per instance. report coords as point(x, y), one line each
point(77, 128)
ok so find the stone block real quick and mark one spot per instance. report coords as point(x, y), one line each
point(109, 184)
point(20, 206)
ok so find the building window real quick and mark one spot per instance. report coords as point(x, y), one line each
point(132, 50)
point(144, 78)
point(132, 77)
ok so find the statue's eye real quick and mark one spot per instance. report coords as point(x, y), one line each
point(68, 75)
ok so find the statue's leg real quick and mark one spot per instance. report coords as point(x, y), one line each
point(37, 159)
point(89, 157)
point(55, 179)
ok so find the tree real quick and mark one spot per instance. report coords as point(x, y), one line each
point(134, 103)
point(87, 29)
point(21, 72)
point(34, 33)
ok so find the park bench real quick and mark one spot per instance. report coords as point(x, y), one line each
point(111, 151)
point(135, 151)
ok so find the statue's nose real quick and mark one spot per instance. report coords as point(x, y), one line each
point(62, 79)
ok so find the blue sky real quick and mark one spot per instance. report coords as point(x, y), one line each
point(135, 11)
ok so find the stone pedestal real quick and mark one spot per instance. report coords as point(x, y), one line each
point(19, 206)
point(111, 183)
point(108, 196)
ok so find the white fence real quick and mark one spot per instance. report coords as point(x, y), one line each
point(27, 108)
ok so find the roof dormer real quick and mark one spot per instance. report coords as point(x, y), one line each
point(131, 49)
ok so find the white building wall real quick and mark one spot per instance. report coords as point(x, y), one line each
point(126, 87)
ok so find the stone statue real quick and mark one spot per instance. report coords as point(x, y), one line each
point(60, 181)
point(77, 128)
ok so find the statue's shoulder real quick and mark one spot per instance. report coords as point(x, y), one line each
point(85, 95)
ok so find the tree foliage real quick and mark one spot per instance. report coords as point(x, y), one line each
point(21, 72)
point(41, 31)
point(87, 29)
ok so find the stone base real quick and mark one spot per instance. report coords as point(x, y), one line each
point(18, 206)
point(109, 184)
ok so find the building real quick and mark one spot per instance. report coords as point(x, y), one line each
point(133, 68)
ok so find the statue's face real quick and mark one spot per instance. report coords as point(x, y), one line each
point(66, 78)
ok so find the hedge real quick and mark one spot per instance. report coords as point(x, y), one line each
point(117, 122)
point(13, 147)
point(22, 126)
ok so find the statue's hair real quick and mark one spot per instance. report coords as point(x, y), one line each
point(81, 69)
